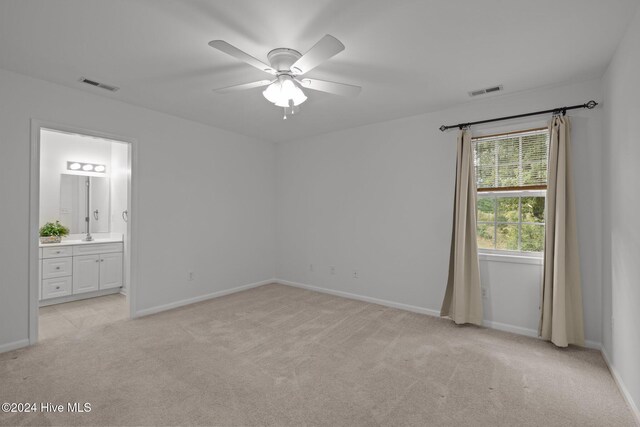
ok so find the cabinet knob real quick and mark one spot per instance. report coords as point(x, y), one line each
point(57, 252)
point(57, 287)
point(58, 268)
point(101, 260)
point(97, 260)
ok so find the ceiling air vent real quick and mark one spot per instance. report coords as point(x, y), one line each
point(485, 91)
point(98, 84)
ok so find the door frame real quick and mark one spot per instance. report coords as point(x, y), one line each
point(34, 215)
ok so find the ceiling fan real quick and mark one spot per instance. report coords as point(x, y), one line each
point(288, 66)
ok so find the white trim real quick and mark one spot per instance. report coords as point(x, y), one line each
point(623, 388)
point(514, 193)
point(490, 324)
point(14, 345)
point(176, 304)
point(533, 333)
point(132, 238)
point(34, 234)
point(519, 330)
point(392, 304)
point(34, 213)
point(518, 259)
point(79, 297)
point(593, 345)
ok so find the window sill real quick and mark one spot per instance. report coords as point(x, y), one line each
point(510, 258)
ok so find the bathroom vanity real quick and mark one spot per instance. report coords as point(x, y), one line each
point(84, 185)
point(75, 269)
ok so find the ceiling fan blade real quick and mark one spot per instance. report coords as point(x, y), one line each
point(327, 47)
point(341, 89)
point(225, 47)
point(244, 86)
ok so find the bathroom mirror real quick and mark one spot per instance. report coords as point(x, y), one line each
point(73, 203)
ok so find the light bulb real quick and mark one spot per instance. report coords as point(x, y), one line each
point(75, 166)
point(282, 102)
point(272, 92)
point(99, 168)
point(298, 96)
point(87, 167)
point(288, 88)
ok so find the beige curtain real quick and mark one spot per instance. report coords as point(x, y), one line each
point(463, 300)
point(561, 310)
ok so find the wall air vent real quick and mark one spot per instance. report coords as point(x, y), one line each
point(98, 84)
point(485, 91)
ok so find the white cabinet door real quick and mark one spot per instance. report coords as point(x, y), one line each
point(110, 270)
point(86, 273)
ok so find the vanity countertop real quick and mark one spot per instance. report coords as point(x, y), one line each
point(73, 242)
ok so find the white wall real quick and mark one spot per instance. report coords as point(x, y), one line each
point(378, 199)
point(205, 197)
point(621, 273)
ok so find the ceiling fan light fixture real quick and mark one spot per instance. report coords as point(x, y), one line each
point(272, 92)
point(284, 103)
point(283, 91)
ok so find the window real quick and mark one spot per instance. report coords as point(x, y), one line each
point(511, 177)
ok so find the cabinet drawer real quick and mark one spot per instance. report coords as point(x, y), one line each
point(101, 248)
point(57, 252)
point(56, 267)
point(58, 287)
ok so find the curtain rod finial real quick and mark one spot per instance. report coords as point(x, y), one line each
point(591, 104)
point(442, 128)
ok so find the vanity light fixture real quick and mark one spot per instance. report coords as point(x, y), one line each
point(87, 167)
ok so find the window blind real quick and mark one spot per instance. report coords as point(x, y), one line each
point(512, 162)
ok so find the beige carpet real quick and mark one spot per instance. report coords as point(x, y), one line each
point(72, 317)
point(276, 355)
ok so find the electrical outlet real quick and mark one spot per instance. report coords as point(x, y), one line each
point(332, 269)
point(191, 276)
point(485, 293)
point(355, 274)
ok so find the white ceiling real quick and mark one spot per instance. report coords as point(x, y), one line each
point(409, 56)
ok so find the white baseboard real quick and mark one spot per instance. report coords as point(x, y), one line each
point(176, 304)
point(14, 345)
point(510, 328)
point(529, 332)
point(78, 297)
point(593, 344)
point(386, 303)
point(487, 323)
point(623, 388)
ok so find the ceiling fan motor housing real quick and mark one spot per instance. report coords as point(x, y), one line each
point(282, 58)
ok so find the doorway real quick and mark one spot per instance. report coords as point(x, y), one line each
point(81, 230)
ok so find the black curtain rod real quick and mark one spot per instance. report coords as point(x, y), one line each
point(589, 105)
